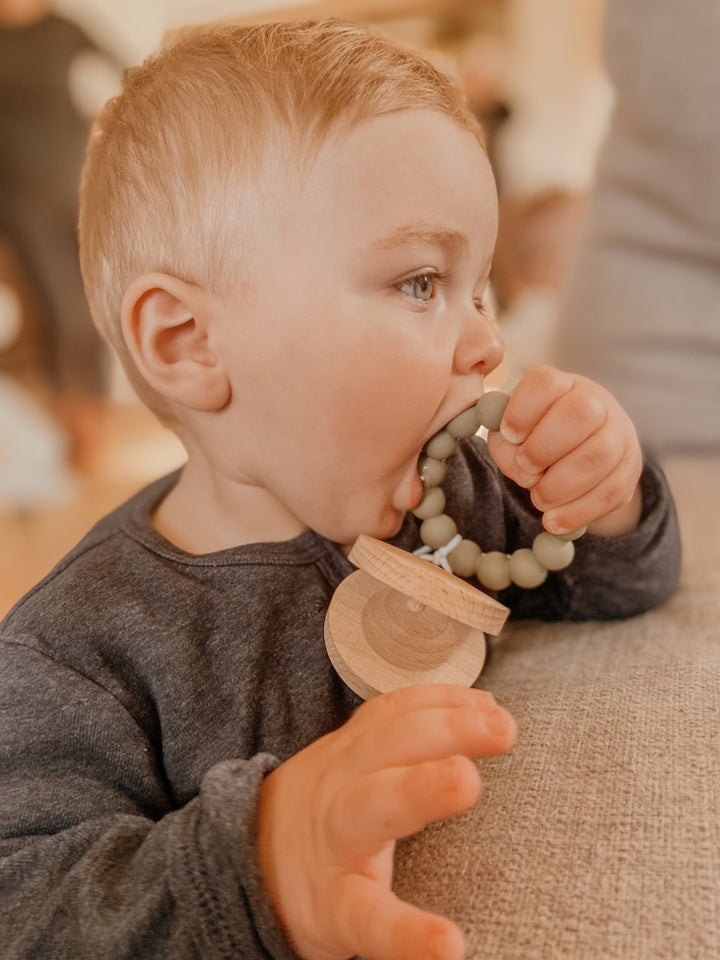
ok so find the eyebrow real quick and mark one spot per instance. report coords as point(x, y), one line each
point(422, 233)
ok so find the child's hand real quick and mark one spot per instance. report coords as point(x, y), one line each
point(330, 815)
point(572, 445)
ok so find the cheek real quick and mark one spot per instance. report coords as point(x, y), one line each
point(388, 400)
point(354, 379)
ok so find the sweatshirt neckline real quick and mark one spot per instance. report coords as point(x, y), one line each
point(304, 548)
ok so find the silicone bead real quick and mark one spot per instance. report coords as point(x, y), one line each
point(528, 568)
point(442, 446)
point(525, 571)
point(437, 531)
point(464, 557)
point(552, 553)
point(572, 535)
point(432, 472)
point(464, 425)
point(493, 570)
point(432, 504)
point(490, 408)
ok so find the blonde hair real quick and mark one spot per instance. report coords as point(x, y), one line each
point(173, 174)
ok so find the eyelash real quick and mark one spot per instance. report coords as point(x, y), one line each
point(436, 278)
point(439, 280)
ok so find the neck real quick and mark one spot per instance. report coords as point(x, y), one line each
point(206, 512)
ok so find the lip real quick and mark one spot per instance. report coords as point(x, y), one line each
point(409, 491)
point(417, 492)
point(417, 489)
point(446, 421)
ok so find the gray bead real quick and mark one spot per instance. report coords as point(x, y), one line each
point(493, 570)
point(464, 425)
point(464, 558)
point(441, 446)
point(490, 408)
point(525, 571)
point(432, 472)
point(431, 505)
point(437, 531)
point(551, 552)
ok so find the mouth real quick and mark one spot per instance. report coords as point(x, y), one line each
point(487, 411)
point(441, 444)
point(429, 468)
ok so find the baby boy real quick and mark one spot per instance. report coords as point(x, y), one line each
point(286, 235)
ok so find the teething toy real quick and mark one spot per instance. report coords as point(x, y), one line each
point(399, 620)
point(526, 567)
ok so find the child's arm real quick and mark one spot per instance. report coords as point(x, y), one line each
point(106, 852)
point(329, 818)
point(98, 858)
point(568, 441)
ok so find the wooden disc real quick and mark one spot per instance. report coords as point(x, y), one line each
point(379, 639)
point(428, 584)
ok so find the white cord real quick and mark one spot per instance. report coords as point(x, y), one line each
point(439, 556)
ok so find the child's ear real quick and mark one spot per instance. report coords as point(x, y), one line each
point(167, 329)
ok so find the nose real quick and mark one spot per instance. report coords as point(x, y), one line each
point(479, 348)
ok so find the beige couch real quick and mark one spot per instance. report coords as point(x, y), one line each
point(599, 835)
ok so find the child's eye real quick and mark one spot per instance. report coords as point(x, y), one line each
point(419, 287)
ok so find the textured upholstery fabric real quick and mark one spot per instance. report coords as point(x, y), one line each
point(599, 835)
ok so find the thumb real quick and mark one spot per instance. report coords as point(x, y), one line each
point(505, 454)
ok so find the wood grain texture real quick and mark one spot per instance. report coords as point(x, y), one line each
point(399, 620)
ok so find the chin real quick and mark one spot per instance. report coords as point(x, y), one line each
point(381, 527)
point(390, 526)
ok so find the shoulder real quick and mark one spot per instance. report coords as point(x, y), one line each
point(89, 580)
point(124, 588)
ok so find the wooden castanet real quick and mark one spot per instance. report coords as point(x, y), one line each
point(399, 620)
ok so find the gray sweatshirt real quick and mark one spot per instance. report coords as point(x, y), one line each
point(146, 692)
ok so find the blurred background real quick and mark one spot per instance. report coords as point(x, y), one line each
point(74, 441)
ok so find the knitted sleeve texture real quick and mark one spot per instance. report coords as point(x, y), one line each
point(145, 693)
point(610, 577)
point(97, 861)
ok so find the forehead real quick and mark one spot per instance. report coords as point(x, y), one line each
point(412, 177)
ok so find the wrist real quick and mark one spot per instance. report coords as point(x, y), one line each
point(619, 521)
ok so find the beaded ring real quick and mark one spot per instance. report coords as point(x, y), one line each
point(527, 567)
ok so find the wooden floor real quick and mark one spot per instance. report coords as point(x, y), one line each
point(131, 449)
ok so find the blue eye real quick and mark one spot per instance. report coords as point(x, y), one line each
point(419, 287)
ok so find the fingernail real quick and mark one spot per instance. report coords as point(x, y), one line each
point(551, 524)
point(496, 723)
point(486, 698)
point(512, 436)
point(439, 945)
point(525, 463)
point(526, 479)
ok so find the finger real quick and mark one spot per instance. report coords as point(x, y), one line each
point(579, 471)
point(378, 925)
point(388, 707)
point(613, 492)
point(532, 398)
point(389, 804)
point(435, 734)
point(374, 718)
point(565, 425)
point(505, 456)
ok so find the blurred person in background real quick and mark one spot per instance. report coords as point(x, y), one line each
point(642, 313)
point(537, 237)
point(558, 99)
point(46, 78)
